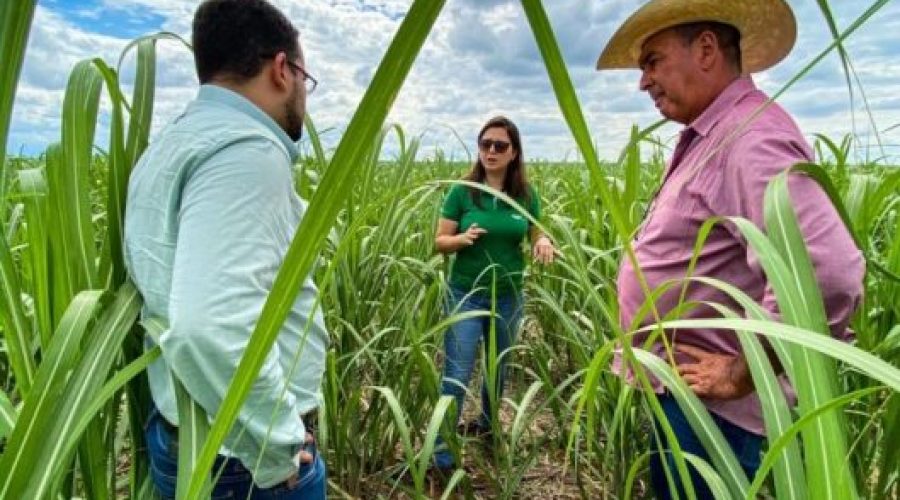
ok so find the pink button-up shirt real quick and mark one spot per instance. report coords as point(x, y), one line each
point(716, 174)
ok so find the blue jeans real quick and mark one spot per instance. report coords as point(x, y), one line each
point(746, 446)
point(235, 480)
point(461, 349)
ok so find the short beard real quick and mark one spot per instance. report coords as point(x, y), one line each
point(293, 121)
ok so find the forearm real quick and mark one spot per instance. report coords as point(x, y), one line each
point(268, 430)
point(304, 348)
point(447, 244)
point(756, 159)
point(837, 262)
point(535, 234)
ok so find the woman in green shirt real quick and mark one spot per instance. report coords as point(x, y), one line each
point(486, 234)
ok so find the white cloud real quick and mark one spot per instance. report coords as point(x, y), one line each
point(480, 60)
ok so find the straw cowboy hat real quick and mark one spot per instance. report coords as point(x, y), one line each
point(768, 29)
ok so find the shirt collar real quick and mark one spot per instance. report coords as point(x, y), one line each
point(722, 105)
point(221, 95)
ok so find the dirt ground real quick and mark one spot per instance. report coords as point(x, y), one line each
point(548, 477)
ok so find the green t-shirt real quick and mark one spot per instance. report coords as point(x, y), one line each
point(497, 252)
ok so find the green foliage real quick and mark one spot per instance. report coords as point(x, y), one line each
point(15, 20)
point(74, 400)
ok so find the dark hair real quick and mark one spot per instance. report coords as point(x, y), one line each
point(233, 38)
point(728, 36)
point(515, 183)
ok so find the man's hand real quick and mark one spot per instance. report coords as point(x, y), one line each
point(305, 456)
point(715, 376)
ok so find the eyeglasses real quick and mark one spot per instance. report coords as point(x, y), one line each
point(308, 80)
point(485, 145)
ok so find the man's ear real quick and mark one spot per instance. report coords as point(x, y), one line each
point(707, 50)
point(277, 72)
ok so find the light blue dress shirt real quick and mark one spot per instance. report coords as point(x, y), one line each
point(211, 212)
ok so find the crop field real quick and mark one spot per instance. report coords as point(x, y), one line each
point(73, 396)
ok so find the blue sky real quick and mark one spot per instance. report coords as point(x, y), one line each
point(479, 61)
point(97, 16)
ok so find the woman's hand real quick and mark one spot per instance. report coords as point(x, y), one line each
point(544, 252)
point(448, 241)
point(468, 237)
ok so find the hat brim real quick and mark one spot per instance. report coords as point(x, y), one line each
point(768, 29)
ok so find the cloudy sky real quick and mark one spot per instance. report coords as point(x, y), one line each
point(480, 60)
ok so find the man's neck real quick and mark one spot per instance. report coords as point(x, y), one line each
point(716, 87)
point(249, 90)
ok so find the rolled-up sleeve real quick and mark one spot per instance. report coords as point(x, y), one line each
point(225, 262)
point(754, 161)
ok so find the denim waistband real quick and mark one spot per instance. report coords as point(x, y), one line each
point(310, 420)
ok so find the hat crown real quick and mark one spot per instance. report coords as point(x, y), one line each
point(768, 29)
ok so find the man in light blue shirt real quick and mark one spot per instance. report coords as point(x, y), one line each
point(211, 212)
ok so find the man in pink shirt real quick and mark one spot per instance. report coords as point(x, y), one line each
point(695, 58)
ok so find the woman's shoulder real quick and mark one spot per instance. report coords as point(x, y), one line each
point(457, 190)
point(457, 186)
point(457, 194)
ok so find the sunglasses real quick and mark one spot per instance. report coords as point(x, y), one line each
point(485, 145)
